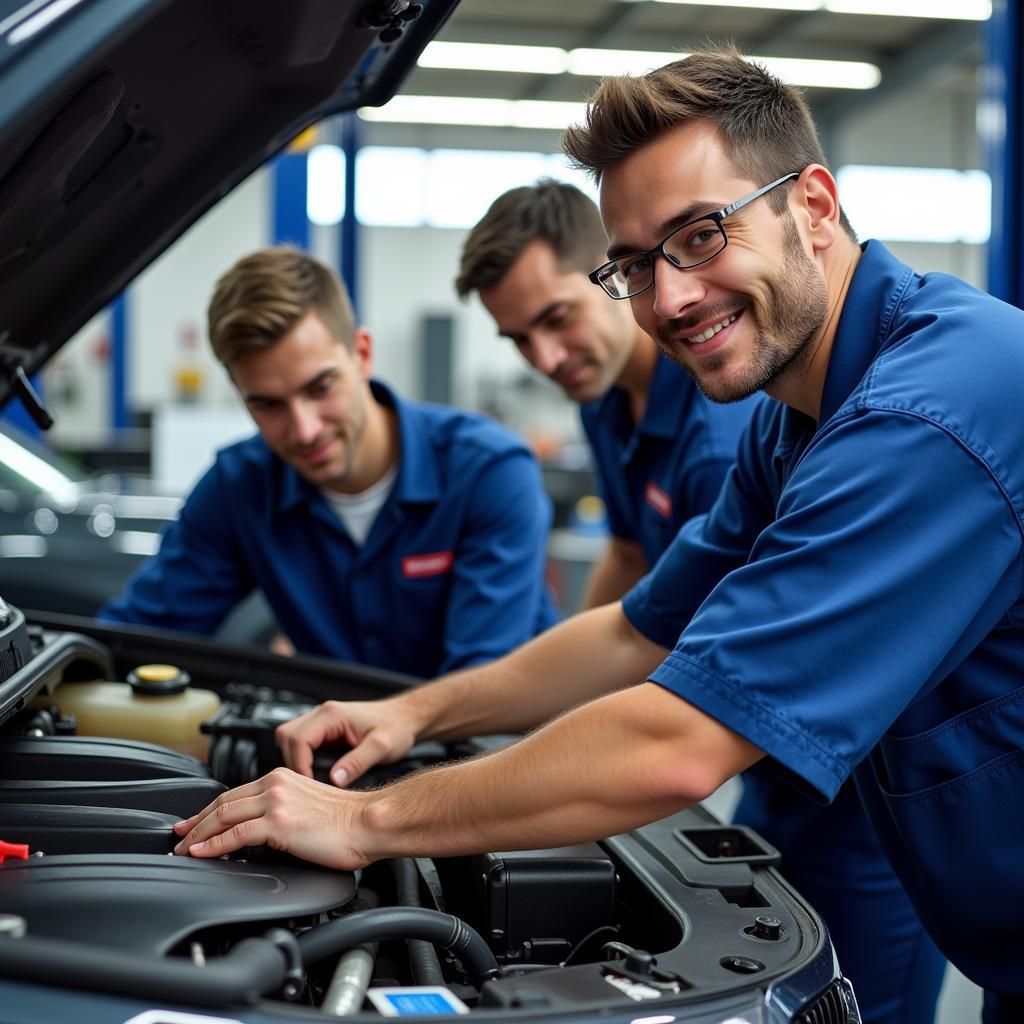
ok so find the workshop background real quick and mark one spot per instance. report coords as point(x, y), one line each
point(915, 101)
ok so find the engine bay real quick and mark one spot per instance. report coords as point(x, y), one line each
point(685, 911)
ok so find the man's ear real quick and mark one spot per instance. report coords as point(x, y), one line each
point(817, 197)
point(362, 352)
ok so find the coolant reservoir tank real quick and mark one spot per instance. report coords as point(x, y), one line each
point(155, 705)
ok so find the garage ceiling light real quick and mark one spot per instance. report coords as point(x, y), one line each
point(538, 60)
point(467, 110)
point(549, 60)
point(952, 10)
point(827, 74)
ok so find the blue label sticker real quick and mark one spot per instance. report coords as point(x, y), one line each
point(416, 1001)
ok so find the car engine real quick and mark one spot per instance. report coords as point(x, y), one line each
point(683, 917)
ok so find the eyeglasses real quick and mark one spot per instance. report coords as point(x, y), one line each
point(690, 245)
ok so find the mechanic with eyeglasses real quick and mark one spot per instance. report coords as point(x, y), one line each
point(852, 603)
point(391, 533)
point(661, 451)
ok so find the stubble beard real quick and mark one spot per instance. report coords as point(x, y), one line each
point(797, 305)
point(350, 442)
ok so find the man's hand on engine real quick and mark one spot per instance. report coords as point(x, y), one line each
point(379, 732)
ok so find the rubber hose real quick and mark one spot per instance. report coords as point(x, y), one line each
point(253, 968)
point(402, 923)
point(426, 965)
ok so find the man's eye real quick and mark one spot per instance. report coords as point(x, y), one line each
point(634, 266)
point(703, 237)
point(321, 388)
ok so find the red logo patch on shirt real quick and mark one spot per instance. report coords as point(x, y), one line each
point(437, 564)
point(658, 499)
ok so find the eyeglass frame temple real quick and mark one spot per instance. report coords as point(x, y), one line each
point(727, 211)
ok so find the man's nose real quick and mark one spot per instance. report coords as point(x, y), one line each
point(675, 290)
point(547, 353)
point(305, 422)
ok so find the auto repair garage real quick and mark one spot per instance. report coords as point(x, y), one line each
point(474, 490)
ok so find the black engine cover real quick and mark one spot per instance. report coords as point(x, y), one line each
point(146, 902)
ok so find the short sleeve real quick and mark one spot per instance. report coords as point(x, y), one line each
point(892, 554)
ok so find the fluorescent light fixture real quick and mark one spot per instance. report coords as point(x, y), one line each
point(825, 74)
point(476, 111)
point(954, 10)
point(917, 204)
point(37, 471)
point(549, 60)
point(958, 10)
point(325, 185)
point(770, 5)
point(534, 60)
point(831, 74)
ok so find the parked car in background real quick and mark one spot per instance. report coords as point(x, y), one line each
point(68, 539)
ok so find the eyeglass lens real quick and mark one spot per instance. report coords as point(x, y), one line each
point(690, 246)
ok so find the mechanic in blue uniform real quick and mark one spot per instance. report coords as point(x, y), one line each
point(382, 531)
point(853, 603)
point(662, 450)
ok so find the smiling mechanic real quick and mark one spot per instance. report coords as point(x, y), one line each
point(853, 601)
point(661, 451)
point(392, 533)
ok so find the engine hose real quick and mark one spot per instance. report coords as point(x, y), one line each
point(402, 923)
point(426, 965)
point(350, 981)
point(352, 973)
point(253, 968)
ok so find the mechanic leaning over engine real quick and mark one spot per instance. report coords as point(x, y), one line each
point(662, 450)
point(852, 605)
point(393, 533)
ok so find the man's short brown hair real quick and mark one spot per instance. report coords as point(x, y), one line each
point(549, 211)
point(265, 294)
point(765, 125)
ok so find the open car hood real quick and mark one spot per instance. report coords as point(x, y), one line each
point(122, 121)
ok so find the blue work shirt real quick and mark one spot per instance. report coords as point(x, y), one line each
point(451, 573)
point(656, 477)
point(670, 466)
point(854, 598)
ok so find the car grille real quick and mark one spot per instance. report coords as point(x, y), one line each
point(829, 1008)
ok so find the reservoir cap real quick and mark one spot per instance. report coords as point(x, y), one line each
point(158, 680)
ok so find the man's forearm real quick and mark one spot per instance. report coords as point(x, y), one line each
point(601, 769)
point(591, 654)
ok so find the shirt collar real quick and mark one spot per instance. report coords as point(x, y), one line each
point(879, 282)
point(668, 405)
point(418, 477)
point(666, 409)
